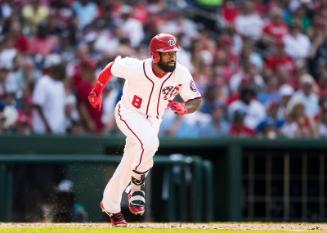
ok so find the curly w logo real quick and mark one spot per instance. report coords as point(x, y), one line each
point(171, 91)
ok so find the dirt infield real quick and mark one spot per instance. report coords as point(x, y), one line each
point(222, 226)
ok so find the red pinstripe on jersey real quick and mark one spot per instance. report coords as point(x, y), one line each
point(121, 118)
point(147, 107)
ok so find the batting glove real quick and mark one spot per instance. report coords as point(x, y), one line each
point(95, 100)
point(177, 107)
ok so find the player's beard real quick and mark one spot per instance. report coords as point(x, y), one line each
point(165, 67)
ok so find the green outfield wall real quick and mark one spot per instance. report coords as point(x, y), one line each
point(229, 158)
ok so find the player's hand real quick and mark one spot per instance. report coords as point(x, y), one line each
point(177, 107)
point(95, 99)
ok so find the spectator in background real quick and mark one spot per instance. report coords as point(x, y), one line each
point(73, 121)
point(297, 44)
point(226, 55)
point(285, 93)
point(6, 10)
point(249, 22)
point(42, 43)
point(229, 13)
point(248, 54)
point(279, 62)
point(63, 23)
point(187, 127)
point(86, 12)
point(184, 127)
point(267, 129)
point(2, 121)
point(49, 98)
point(35, 13)
point(269, 93)
point(4, 71)
point(270, 126)
point(13, 28)
point(248, 74)
point(238, 127)
point(318, 52)
point(131, 28)
point(210, 99)
point(82, 82)
point(8, 54)
point(107, 41)
point(306, 95)
point(9, 112)
point(110, 99)
point(203, 47)
point(322, 83)
point(124, 48)
point(253, 109)
point(299, 124)
point(65, 207)
point(217, 126)
point(300, 15)
point(24, 120)
point(322, 124)
point(275, 29)
point(24, 79)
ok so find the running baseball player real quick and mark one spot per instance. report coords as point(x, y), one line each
point(150, 87)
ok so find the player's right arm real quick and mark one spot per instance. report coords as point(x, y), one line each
point(95, 96)
point(120, 67)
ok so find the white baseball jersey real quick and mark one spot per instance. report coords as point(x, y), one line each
point(147, 93)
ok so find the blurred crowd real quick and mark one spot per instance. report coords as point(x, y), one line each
point(261, 65)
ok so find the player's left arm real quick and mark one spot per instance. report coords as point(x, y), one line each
point(188, 92)
point(190, 95)
point(182, 108)
point(193, 104)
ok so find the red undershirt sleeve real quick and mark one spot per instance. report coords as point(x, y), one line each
point(103, 78)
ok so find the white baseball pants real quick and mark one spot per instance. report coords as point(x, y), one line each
point(141, 144)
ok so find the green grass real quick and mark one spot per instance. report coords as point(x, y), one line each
point(124, 230)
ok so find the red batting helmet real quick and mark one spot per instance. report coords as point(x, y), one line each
point(162, 42)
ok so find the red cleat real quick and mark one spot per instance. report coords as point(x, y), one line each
point(117, 219)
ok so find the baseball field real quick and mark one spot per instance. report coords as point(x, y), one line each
point(162, 228)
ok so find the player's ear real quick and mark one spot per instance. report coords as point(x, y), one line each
point(156, 57)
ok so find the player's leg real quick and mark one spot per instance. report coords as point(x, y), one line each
point(112, 195)
point(141, 167)
point(141, 162)
point(141, 143)
point(113, 192)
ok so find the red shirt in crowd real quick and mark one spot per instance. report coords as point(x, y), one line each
point(83, 89)
point(42, 46)
point(230, 12)
point(241, 131)
point(21, 44)
point(275, 30)
point(284, 62)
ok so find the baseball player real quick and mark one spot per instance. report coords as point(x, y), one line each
point(150, 87)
